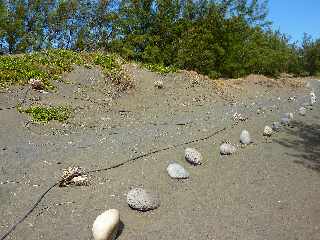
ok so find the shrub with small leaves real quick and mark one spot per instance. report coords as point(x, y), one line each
point(19, 70)
point(49, 65)
point(45, 114)
point(159, 68)
point(46, 66)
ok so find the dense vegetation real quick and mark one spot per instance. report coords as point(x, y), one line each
point(49, 65)
point(229, 38)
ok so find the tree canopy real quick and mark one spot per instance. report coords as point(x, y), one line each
point(228, 38)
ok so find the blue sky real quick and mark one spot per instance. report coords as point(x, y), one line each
point(295, 17)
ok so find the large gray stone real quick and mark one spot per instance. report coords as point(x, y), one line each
point(276, 126)
point(175, 170)
point(285, 121)
point(313, 98)
point(143, 200)
point(193, 156)
point(227, 149)
point(302, 111)
point(288, 115)
point(267, 131)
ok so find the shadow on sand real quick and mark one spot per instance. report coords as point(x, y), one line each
point(305, 139)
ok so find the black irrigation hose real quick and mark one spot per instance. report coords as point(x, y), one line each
point(106, 169)
point(29, 212)
point(154, 152)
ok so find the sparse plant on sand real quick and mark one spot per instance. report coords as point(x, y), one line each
point(45, 114)
point(159, 68)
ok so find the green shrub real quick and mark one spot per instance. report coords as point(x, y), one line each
point(56, 61)
point(311, 55)
point(45, 114)
point(49, 65)
point(111, 65)
point(159, 68)
point(19, 70)
point(46, 65)
point(107, 62)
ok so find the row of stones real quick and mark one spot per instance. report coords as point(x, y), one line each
point(105, 227)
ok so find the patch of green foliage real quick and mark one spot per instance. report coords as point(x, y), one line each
point(56, 61)
point(45, 114)
point(49, 65)
point(311, 55)
point(46, 66)
point(19, 70)
point(107, 62)
point(111, 65)
point(160, 68)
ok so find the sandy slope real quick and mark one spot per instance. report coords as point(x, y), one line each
point(269, 190)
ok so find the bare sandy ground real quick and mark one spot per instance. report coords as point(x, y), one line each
point(268, 190)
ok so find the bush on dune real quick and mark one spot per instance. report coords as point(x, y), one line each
point(216, 38)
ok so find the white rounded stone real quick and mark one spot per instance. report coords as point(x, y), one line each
point(227, 149)
point(313, 98)
point(175, 170)
point(285, 121)
point(276, 126)
point(143, 200)
point(159, 84)
point(267, 131)
point(105, 227)
point(245, 137)
point(193, 156)
point(289, 115)
point(302, 111)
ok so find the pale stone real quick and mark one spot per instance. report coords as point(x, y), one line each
point(285, 121)
point(143, 200)
point(245, 137)
point(106, 225)
point(313, 98)
point(267, 131)
point(276, 126)
point(227, 149)
point(175, 170)
point(302, 111)
point(289, 115)
point(159, 84)
point(193, 156)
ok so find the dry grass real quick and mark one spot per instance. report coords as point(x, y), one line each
point(228, 89)
point(284, 81)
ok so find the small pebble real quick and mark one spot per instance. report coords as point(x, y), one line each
point(302, 111)
point(143, 200)
point(159, 84)
point(288, 115)
point(290, 99)
point(106, 225)
point(245, 137)
point(276, 126)
point(313, 98)
point(227, 149)
point(193, 156)
point(36, 84)
point(175, 170)
point(285, 121)
point(238, 117)
point(267, 131)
